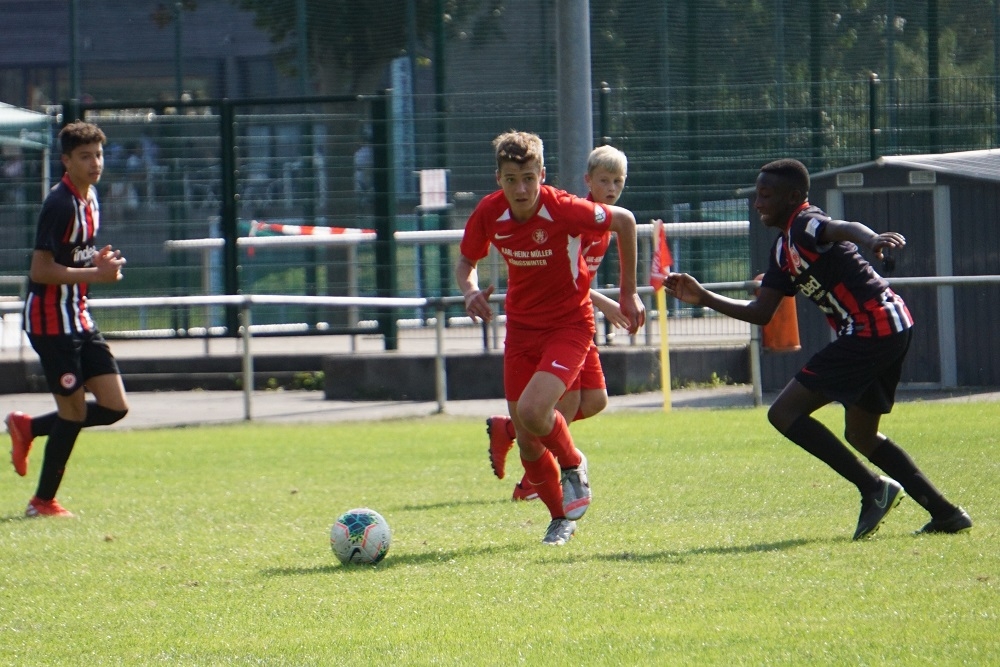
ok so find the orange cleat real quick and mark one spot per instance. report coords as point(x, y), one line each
point(39, 507)
point(500, 443)
point(524, 491)
point(19, 427)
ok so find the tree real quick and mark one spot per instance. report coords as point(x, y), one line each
point(349, 43)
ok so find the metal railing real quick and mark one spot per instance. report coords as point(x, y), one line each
point(246, 304)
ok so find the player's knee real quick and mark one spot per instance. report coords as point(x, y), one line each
point(592, 404)
point(117, 415)
point(536, 421)
point(100, 415)
point(780, 418)
point(866, 443)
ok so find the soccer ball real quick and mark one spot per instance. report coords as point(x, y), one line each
point(360, 536)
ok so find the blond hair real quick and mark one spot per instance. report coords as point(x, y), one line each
point(608, 158)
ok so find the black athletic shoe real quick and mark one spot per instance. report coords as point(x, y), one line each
point(876, 506)
point(958, 521)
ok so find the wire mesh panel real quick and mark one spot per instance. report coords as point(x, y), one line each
point(699, 95)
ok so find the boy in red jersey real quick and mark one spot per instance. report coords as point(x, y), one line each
point(607, 169)
point(541, 232)
point(73, 353)
point(819, 257)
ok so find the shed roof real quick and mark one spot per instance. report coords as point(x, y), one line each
point(982, 164)
point(21, 127)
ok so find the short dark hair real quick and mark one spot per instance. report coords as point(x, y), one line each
point(79, 133)
point(792, 172)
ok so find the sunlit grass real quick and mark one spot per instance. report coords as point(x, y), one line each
point(711, 540)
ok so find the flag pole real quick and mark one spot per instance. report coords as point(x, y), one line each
point(657, 274)
point(661, 305)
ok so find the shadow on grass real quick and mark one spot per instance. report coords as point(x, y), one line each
point(428, 558)
point(682, 556)
point(449, 504)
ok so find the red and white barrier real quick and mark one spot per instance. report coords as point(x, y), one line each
point(256, 227)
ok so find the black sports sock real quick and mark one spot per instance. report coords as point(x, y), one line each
point(43, 425)
point(815, 438)
point(98, 415)
point(891, 458)
point(57, 450)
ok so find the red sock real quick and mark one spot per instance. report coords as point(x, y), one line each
point(543, 475)
point(511, 433)
point(579, 415)
point(560, 443)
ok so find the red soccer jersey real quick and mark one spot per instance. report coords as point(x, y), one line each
point(548, 283)
point(594, 250)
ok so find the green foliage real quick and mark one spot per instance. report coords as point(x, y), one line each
point(713, 382)
point(351, 42)
point(711, 541)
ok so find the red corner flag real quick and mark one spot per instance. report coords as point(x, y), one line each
point(662, 259)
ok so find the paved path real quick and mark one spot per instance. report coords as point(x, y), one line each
point(189, 408)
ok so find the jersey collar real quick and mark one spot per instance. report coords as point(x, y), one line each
point(795, 214)
point(72, 188)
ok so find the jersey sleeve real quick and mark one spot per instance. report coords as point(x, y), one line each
point(582, 217)
point(774, 277)
point(52, 225)
point(806, 231)
point(475, 240)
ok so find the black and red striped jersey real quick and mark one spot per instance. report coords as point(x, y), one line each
point(856, 300)
point(67, 227)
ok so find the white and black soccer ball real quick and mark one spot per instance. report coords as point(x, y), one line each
point(360, 535)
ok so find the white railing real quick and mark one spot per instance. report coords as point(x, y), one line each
point(246, 303)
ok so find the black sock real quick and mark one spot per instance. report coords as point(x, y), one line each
point(97, 415)
point(815, 438)
point(43, 425)
point(57, 450)
point(891, 458)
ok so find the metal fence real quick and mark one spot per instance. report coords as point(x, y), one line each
point(268, 179)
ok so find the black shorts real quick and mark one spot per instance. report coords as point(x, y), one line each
point(855, 371)
point(69, 361)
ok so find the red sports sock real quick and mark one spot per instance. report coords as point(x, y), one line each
point(560, 443)
point(579, 415)
point(510, 429)
point(543, 475)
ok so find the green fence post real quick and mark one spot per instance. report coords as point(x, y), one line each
point(230, 232)
point(873, 129)
point(385, 216)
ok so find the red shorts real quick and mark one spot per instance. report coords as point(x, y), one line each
point(591, 376)
point(560, 352)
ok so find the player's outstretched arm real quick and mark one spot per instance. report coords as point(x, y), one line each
point(759, 310)
point(862, 236)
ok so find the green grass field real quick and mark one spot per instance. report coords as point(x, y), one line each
point(711, 541)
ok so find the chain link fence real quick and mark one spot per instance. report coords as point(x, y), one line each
point(318, 174)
